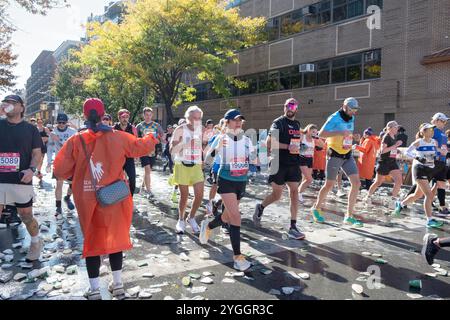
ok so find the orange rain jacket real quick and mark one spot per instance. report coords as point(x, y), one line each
point(366, 161)
point(320, 158)
point(106, 230)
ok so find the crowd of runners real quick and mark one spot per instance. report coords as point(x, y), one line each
point(98, 163)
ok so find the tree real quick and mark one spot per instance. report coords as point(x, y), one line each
point(166, 39)
point(7, 58)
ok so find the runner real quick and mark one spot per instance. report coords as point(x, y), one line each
point(58, 137)
point(284, 144)
point(107, 120)
point(106, 229)
point(309, 141)
point(125, 126)
point(186, 148)
point(369, 146)
point(338, 129)
point(44, 132)
point(387, 164)
point(431, 246)
point(439, 120)
point(166, 152)
point(236, 151)
point(20, 153)
point(148, 126)
point(423, 151)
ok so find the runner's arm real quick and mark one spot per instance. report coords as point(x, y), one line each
point(411, 151)
point(176, 143)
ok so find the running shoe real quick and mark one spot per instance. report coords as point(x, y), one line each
point(240, 263)
point(225, 228)
point(353, 222)
point(194, 225)
point(317, 215)
point(216, 205)
point(340, 194)
point(205, 232)
point(398, 208)
point(150, 195)
point(432, 223)
point(296, 234)
point(69, 203)
point(35, 251)
point(429, 249)
point(117, 291)
point(300, 198)
point(181, 226)
point(257, 215)
point(93, 295)
point(209, 208)
point(58, 211)
point(442, 213)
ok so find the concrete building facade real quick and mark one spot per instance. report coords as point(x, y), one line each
point(395, 60)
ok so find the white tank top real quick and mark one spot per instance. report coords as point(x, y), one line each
point(192, 146)
point(308, 151)
point(426, 150)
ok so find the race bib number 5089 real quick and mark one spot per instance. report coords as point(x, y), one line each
point(9, 162)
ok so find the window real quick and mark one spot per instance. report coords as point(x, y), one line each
point(355, 8)
point(372, 64)
point(273, 29)
point(268, 82)
point(324, 12)
point(285, 79)
point(338, 71)
point(378, 3)
point(339, 10)
point(388, 117)
point(323, 73)
point(252, 88)
point(354, 69)
point(309, 79)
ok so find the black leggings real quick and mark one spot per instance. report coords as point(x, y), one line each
point(130, 169)
point(93, 264)
point(444, 242)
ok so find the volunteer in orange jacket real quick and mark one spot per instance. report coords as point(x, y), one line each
point(320, 159)
point(106, 230)
point(366, 163)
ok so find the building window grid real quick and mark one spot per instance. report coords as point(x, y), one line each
point(347, 68)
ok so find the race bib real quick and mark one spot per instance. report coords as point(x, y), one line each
point(394, 154)
point(347, 143)
point(9, 162)
point(296, 143)
point(239, 167)
point(429, 159)
point(192, 153)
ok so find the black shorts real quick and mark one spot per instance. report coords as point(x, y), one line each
point(306, 162)
point(286, 174)
point(44, 149)
point(24, 205)
point(385, 167)
point(422, 172)
point(148, 161)
point(448, 173)
point(228, 186)
point(440, 171)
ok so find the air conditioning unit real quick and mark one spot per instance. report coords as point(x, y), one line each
point(307, 67)
point(308, 10)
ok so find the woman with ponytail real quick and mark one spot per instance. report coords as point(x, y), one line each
point(106, 229)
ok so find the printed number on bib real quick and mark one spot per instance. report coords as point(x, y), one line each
point(347, 143)
point(239, 167)
point(9, 162)
point(192, 154)
point(295, 143)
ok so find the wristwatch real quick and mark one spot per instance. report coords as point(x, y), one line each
point(32, 169)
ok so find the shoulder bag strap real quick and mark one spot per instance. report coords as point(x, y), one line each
point(88, 159)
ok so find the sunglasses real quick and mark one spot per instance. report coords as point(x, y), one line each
point(106, 119)
point(62, 122)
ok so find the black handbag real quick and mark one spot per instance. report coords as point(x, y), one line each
point(111, 194)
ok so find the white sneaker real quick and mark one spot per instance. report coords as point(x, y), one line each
point(35, 251)
point(240, 263)
point(194, 225)
point(205, 232)
point(181, 226)
point(300, 198)
point(340, 194)
point(209, 208)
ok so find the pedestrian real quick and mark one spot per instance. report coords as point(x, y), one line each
point(236, 152)
point(338, 129)
point(106, 228)
point(284, 145)
point(146, 127)
point(387, 164)
point(166, 151)
point(402, 136)
point(186, 149)
point(20, 153)
point(129, 167)
point(368, 147)
point(107, 120)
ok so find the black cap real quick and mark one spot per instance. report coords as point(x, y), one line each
point(62, 117)
point(209, 121)
point(13, 97)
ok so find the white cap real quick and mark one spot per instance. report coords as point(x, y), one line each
point(440, 116)
point(426, 126)
point(352, 103)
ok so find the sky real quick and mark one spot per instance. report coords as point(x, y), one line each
point(36, 33)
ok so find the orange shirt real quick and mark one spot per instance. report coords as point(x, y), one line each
point(106, 230)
